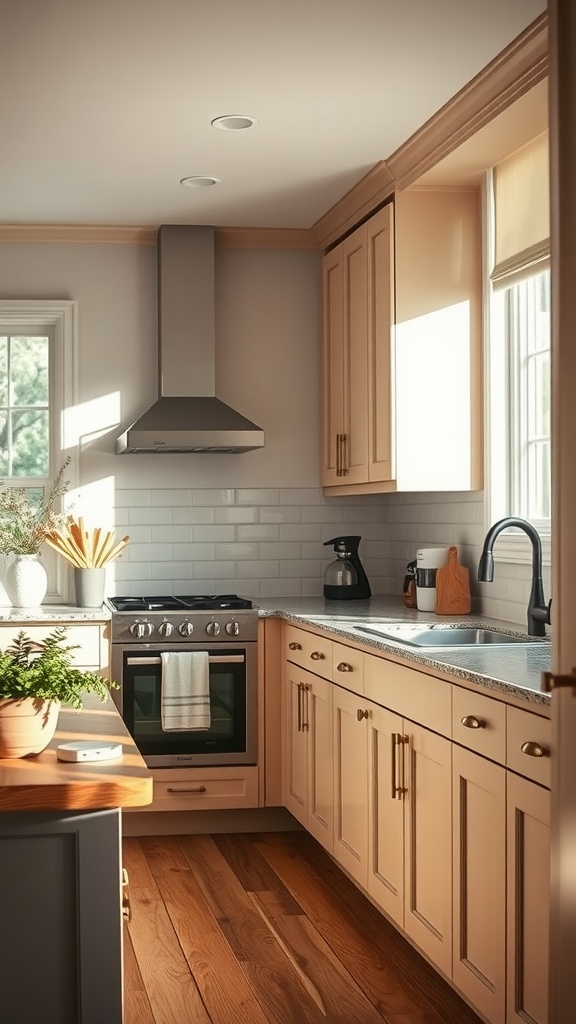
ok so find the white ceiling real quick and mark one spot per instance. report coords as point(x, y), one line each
point(106, 105)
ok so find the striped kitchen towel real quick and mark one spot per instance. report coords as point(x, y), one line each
point(185, 698)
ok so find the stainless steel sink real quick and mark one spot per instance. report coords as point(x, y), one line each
point(418, 634)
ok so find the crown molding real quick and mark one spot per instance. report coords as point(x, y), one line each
point(265, 238)
point(110, 234)
point(78, 234)
point(512, 73)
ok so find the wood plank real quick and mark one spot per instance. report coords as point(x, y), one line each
point(225, 991)
point(276, 983)
point(137, 1009)
point(393, 976)
point(252, 870)
point(172, 992)
point(329, 984)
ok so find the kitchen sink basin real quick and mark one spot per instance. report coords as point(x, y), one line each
point(418, 634)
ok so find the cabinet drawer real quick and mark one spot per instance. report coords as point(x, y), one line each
point(479, 723)
point(308, 650)
point(409, 693)
point(86, 638)
point(348, 667)
point(524, 728)
point(204, 789)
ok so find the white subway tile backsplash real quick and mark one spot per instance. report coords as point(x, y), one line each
point(269, 542)
point(192, 515)
point(258, 532)
point(237, 552)
point(281, 514)
point(233, 514)
point(260, 569)
point(171, 497)
point(257, 496)
point(171, 534)
point(213, 496)
point(216, 533)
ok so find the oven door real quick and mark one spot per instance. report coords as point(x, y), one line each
point(232, 737)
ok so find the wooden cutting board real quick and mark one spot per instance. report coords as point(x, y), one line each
point(452, 587)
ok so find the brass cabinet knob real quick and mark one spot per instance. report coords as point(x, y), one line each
point(471, 722)
point(361, 714)
point(317, 656)
point(534, 749)
point(344, 667)
point(294, 646)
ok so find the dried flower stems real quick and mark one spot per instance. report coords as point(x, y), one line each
point(86, 549)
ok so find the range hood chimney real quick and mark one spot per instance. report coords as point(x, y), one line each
point(187, 417)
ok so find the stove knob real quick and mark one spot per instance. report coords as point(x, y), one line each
point(165, 628)
point(186, 628)
point(213, 628)
point(141, 629)
point(232, 628)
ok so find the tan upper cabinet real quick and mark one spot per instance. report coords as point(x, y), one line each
point(358, 303)
point(402, 348)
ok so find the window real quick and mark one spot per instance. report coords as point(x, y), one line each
point(37, 392)
point(518, 346)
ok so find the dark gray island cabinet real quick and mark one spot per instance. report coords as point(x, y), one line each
point(61, 875)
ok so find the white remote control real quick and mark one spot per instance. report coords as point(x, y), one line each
point(88, 750)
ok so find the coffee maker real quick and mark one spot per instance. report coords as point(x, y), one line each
point(345, 579)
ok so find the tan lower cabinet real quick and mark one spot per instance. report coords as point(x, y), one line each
point(479, 861)
point(307, 778)
point(528, 900)
point(397, 847)
point(351, 715)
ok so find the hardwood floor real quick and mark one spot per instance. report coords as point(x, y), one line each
point(265, 929)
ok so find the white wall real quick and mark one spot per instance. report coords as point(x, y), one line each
point(256, 522)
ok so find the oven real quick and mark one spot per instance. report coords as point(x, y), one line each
point(229, 640)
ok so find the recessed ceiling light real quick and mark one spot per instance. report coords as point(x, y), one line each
point(199, 181)
point(233, 122)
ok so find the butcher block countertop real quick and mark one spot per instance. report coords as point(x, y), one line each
point(43, 783)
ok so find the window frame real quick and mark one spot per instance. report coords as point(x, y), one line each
point(59, 318)
point(513, 547)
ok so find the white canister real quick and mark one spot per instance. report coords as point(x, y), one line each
point(428, 560)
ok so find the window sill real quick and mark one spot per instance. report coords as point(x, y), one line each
point(517, 549)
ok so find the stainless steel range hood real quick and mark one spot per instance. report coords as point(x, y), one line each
point(187, 417)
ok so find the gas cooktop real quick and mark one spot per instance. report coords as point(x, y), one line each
point(174, 604)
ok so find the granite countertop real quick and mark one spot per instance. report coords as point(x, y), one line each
point(48, 613)
point(515, 670)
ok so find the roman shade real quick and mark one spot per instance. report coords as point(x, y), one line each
point(521, 184)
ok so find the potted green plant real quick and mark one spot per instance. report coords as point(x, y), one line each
point(36, 678)
point(27, 517)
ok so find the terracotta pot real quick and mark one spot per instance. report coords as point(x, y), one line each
point(27, 725)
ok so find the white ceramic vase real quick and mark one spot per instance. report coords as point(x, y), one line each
point(26, 581)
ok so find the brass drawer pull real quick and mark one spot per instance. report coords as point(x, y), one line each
point(190, 789)
point(317, 656)
point(344, 667)
point(361, 714)
point(534, 749)
point(294, 646)
point(471, 722)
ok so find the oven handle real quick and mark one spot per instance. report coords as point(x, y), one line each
point(220, 659)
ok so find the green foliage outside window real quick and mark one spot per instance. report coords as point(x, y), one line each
point(24, 407)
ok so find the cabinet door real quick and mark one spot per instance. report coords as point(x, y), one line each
point(528, 900)
point(386, 813)
point(355, 288)
point(351, 783)
point(380, 319)
point(317, 723)
point(295, 782)
point(479, 809)
point(428, 845)
point(333, 365)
